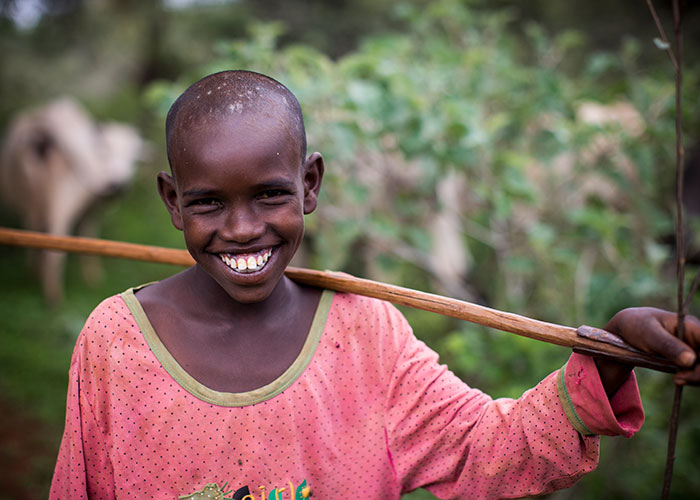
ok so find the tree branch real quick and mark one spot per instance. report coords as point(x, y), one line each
point(662, 34)
point(680, 238)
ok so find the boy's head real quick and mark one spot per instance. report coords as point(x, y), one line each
point(240, 183)
point(232, 93)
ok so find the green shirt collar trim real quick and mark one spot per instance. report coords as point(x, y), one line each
point(203, 392)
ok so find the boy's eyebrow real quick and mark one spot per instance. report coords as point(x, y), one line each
point(197, 192)
point(276, 183)
point(281, 183)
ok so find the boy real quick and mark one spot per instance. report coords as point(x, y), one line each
point(230, 379)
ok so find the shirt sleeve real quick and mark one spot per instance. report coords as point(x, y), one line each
point(458, 442)
point(83, 469)
point(587, 406)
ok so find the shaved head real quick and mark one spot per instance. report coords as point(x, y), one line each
point(232, 94)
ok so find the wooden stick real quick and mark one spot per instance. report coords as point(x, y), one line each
point(94, 246)
point(565, 336)
point(681, 249)
point(547, 332)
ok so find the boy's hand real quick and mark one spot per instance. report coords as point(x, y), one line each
point(653, 330)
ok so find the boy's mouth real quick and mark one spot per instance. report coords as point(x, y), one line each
point(246, 262)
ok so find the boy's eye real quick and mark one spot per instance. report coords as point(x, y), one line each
point(271, 194)
point(203, 203)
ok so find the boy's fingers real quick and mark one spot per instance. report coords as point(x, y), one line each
point(660, 341)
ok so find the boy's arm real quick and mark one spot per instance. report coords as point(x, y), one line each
point(83, 469)
point(458, 442)
point(653, 330)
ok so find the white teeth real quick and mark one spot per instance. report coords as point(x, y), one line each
point(246, 264)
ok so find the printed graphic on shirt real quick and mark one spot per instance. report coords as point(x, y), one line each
point(212, 491)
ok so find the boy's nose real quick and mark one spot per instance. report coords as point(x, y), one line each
point(242, 225)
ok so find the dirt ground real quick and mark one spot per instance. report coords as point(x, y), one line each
point(27, 454)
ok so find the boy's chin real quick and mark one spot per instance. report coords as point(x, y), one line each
point(250, 294)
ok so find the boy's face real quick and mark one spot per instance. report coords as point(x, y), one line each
point(240, 193)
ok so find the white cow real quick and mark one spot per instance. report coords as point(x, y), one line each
point(55, 163)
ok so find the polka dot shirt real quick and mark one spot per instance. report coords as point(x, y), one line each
point(366, 411)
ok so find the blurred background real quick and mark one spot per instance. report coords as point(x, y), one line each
point(515, 154)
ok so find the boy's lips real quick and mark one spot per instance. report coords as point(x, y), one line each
point(246, 262)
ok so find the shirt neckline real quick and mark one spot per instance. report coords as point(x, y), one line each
point(199, 390)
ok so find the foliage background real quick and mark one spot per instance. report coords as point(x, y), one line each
point(459, 161)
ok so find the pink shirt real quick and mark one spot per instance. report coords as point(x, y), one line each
point(366, 411)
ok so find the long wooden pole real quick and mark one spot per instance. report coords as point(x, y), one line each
point(509, 322)
point(95, 246)
point(674, 421)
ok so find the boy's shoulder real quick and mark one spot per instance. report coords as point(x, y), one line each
point(358, 301)
point(362, 311)
point(112, 308)
point(117, 313)
point(112, 319)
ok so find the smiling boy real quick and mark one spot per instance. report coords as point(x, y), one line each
point(240, 188)
point(231, 374)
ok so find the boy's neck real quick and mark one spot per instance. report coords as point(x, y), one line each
point(210, 297)
point(203, 328)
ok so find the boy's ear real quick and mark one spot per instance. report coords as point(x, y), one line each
point(313, 175)
point(168, 193)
